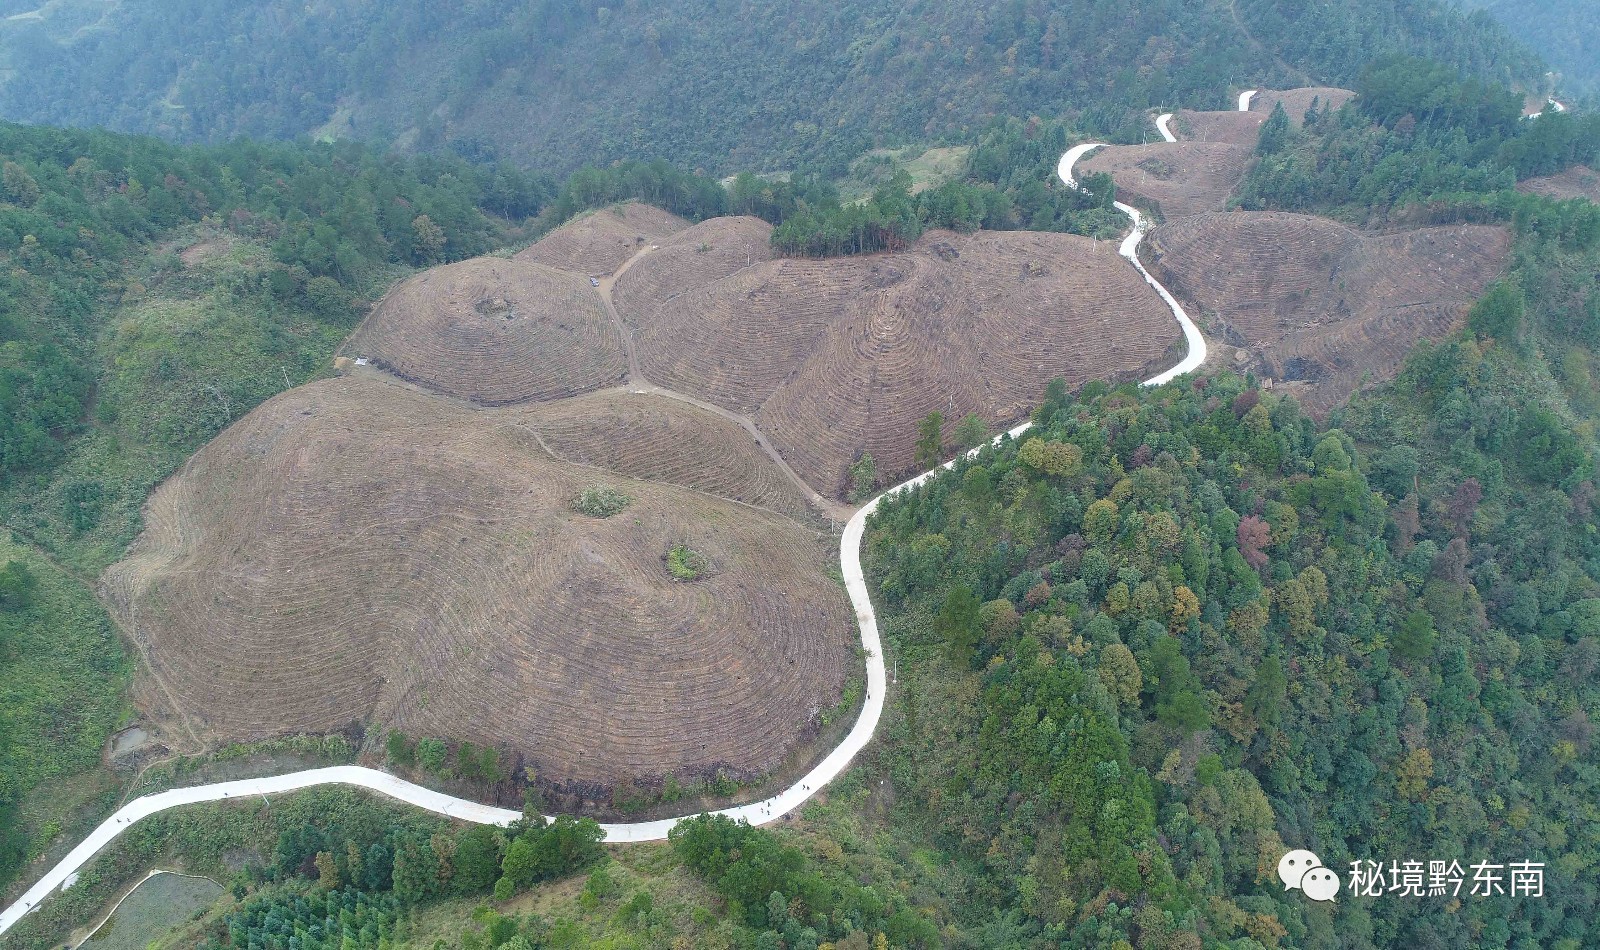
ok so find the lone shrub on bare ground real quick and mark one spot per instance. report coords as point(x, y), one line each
point(685, 564)
point(601, 501)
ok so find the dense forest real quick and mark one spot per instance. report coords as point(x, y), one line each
point(723, 84)
point(1420, 143)
point(1565, 32)
point(1333, 41)
point(1212, 630)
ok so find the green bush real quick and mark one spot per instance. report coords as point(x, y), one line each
point(686, 564)
point(601, 501)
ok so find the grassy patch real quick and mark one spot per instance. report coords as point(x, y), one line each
point(63, 677)
point(186, 352)
point(642, 897)
point(157, 906)
point(928, 168)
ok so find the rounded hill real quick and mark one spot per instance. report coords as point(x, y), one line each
point(355, 551)
point(494, 331)
point(600, 241)
point(1318, 305)
point(839, 357)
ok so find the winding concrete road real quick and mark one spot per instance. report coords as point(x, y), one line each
point(757, 813)
point(1130, 250)
point(1162, 126)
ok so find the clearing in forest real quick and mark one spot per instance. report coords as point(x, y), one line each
point(1174, 178)
point(1318, 305)
point(837, 357)
point(1576, 182)
point(1296, 102)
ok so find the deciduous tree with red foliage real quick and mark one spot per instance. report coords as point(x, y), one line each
point(1254, 536)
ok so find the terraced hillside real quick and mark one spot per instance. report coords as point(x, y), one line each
point(1297, 101)
point(827, 359)
point(1575, 182)
point(692, 260)
point(599, 242)
point(356, 550)
point(495, 331)
point(837, 357)
point(1316, 305)
point(1175, 178)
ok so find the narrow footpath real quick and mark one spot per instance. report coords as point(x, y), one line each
point(636, 382)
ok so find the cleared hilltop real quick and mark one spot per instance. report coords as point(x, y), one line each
point(356, 551)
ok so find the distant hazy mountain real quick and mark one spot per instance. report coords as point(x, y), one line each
point(723, 83)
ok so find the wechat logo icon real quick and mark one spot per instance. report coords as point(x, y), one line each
point(1302, 869)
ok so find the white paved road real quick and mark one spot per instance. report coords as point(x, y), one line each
point(762, 812)
point(1244, 100)
point(1130, 250)
point(1162, 121)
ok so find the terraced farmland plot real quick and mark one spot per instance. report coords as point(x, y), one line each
point(1576, 182)
point(600, 242)
point(495, 331)
point(1297, 101)
point(1232, 128)
point(1318, 305)
point(663, 440)
point(1175, 178)
point(356, 551)
point(837, 357)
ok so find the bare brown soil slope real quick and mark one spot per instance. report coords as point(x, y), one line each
point(495, 331)
point(1243, 128)
point(1316, 304)
point(1297, 101)
point(664, 440)
point(355, 550)
point(1575, 182)
point(1176, 178)
point(691, 261)
point(600, 242)
point(1233, 128)
point(833, 358)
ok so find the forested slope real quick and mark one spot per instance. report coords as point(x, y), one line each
point(727, 84)
point(1565, 32)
